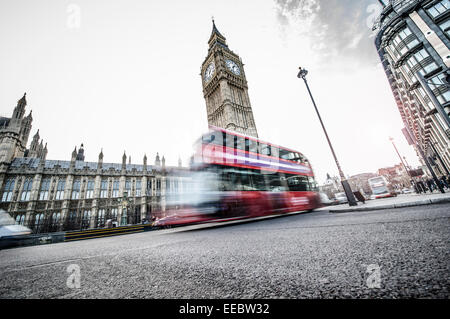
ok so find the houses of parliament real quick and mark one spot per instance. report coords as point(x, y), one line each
point(52, 195)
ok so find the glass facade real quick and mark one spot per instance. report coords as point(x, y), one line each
point(408, 47)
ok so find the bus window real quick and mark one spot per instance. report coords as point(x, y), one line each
point(240, 143)
point(313, 184)
point(230, 140)
point(246, 182)
point(301, 159)
point(298, 183)
point(213, 138)
point(285, 154)
point(247, 144)
point(274, 182)
point(259, 182)
point(275, 151)
point(224, 138)
point(253, 146)
point(265, 149)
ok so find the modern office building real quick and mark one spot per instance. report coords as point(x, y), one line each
point(413, 42)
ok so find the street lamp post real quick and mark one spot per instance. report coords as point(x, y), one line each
point(403, 163)
point(401, 159)
point(347, 189)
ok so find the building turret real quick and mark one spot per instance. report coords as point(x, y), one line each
point(163, 162)
point(74, 154)
point(35, 142)
point(124, 161)
point(25, 128)
point(157, 160)
point(80, 155)
point(145, 162)
point(100, 161)
point(44, 153)
point(40, 148)
point(19, 110)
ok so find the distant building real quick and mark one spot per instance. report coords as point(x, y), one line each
point(360, 183)
point(414, 37)
point(331, 186)
point(397, 176)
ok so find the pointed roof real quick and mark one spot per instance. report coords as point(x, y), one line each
point(74, 153)
point(23, 100)
point(217, 37)
point(215, 30)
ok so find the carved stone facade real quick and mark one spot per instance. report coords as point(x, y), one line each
point(225, 88)
point(14, 133)
point(49, 195)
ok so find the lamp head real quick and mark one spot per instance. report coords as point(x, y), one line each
point(302, 73)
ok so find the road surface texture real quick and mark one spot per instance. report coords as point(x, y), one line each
point(404, 252)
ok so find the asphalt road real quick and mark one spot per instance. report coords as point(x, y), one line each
point(315, 255)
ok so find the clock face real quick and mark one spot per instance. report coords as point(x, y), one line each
point(209, 72)
point(233, 67)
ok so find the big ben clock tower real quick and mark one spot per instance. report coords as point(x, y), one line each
point(225, 88)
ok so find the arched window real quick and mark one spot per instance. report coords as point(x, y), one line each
point(60, 189)
point(104, 189)
point(38, 222)
point(101, 218)
point(86, 219)
point(8, 190)
point(20, 219)
point(26, 191)
point(45, 186)
point(90, 189)
point(76, 189)
point(115, 192)
point(138, 187)
point(114, 213)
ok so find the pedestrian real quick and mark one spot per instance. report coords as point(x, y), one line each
point(416, 188)
point(443, 182)
point(422, 186)
point(359, 196)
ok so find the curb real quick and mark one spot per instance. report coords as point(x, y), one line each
point(390, 206)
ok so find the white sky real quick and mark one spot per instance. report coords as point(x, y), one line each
point(128, 79)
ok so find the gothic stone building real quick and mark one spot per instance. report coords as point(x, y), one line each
point(225, 88)
point(49, 195)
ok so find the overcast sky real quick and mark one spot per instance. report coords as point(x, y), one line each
point(125, 75)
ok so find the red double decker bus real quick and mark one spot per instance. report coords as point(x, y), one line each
point(236, 176)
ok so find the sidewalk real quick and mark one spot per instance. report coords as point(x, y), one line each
point(403, 200)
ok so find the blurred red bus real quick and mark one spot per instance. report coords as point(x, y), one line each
point(236, 176)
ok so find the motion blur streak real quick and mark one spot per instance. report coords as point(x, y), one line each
point(235, 176)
